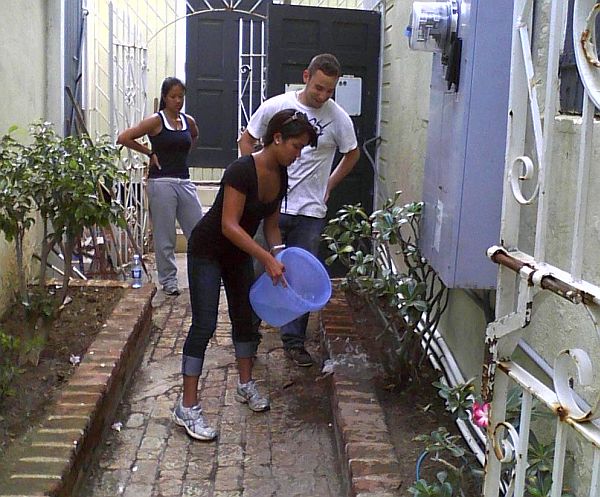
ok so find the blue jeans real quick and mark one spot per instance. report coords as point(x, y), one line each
point(205, 287)
point(303, 232)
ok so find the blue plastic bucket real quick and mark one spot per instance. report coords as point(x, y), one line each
point(308, 290)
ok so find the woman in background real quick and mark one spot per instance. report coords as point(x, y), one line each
point(171, 194)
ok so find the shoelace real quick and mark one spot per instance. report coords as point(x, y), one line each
point(195, 415)
point(252, 390)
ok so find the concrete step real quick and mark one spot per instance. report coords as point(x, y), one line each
point(206, 173)
point(207, 192)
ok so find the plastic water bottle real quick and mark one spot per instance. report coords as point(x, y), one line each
point(136, 272)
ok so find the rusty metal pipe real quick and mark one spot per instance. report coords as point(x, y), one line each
point(547, 282)
point(502, 258)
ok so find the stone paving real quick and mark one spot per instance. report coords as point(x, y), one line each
point(288, 451)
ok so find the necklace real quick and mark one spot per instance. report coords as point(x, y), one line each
point(175, 122)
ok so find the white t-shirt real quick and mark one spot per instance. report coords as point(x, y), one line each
point(309, 174)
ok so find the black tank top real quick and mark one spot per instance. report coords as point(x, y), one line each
point(207, 239)
point(172, 148)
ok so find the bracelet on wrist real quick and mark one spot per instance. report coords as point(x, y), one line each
point(276, 248)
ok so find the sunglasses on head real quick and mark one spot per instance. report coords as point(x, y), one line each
point(297, 115)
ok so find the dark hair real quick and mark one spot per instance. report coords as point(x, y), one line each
point(327, 63)
point(167, 84)
point(290, 123)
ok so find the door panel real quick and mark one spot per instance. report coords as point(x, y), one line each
point(213, 76)
point(211, 68)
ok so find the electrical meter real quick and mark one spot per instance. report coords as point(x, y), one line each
point(432, 26)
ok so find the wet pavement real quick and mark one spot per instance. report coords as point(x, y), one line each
point(288, 451)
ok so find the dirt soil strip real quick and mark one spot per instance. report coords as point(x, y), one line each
point(53, 458)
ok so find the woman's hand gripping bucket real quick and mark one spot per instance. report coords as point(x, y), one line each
point(308, 289)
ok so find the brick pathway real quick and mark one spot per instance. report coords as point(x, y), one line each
point(286, 452)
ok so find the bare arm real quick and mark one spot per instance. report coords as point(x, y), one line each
point(193, 130)
point(233, 208)
point(271, 229)
point(342, 170)
point(128, 138)
point(246, 143)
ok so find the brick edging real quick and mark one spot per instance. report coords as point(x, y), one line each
point(54, 458)
point(369, 464)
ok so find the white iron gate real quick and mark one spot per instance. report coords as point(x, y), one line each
point(128, 69)
point(251, 60)
point(527, 279)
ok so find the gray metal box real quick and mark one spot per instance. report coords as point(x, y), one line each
point(464, 164)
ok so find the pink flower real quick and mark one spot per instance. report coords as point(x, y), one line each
point(481, 413)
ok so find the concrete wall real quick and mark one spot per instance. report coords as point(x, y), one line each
point(404, 108)
point(28, 28)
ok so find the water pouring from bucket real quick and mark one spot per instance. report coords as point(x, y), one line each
point(308, 289)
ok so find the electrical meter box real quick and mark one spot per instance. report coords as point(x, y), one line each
point(466, 142)
point(348, 94)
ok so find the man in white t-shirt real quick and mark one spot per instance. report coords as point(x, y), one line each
point(311, 178)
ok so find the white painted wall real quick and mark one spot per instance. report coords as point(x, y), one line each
point(404, 108)
point(32, 90)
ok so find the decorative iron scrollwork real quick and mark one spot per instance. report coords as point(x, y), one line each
point(505, 448)
point(562, 384)
point(525, 174)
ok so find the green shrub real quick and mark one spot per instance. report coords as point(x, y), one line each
point(410, 299)
point(9, 350)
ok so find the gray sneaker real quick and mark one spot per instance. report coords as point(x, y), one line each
point(247, 393)
point(192, 419)
point(171, 290)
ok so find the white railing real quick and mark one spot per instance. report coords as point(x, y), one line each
point(128, 60)
point(251, 60)
point(526, 280)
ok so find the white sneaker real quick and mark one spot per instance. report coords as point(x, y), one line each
point(192, 419)
point(247, 393)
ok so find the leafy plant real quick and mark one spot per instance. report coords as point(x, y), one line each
point(441, 488)
point(16, 202)
point(410, 302)
point(69, 181)
point(459, 464)
point(87, 176)
point(459, 399)
point(9, 347)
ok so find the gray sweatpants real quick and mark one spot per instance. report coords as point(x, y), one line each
point(170, 199)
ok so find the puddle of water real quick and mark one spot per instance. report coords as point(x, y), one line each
point(353, 362)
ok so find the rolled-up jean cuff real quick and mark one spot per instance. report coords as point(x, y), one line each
point(191, 366)
point(244, 350)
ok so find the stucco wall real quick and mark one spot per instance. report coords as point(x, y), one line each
point(24, 100)
point(404, 108)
